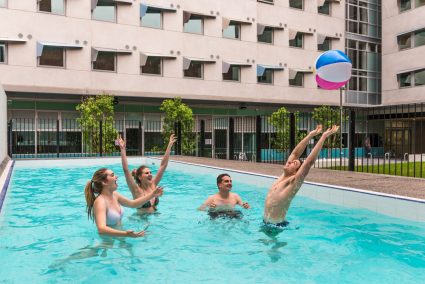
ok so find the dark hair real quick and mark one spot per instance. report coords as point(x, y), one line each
point(137, 172)
point(93, 189)
point(220, 177)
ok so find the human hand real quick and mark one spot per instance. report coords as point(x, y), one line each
point(173, 139)
point(316, 131)
point(212, 205)
point(331, 131)
point(158, 191)
point(121, 143)
point(132, 234)
point(246, 205)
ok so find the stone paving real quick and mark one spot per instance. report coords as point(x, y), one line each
point(404, 186)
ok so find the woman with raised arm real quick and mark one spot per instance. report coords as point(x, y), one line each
point(140, 181)
point(104, 204)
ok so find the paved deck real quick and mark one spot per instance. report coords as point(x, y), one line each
point(404, 186)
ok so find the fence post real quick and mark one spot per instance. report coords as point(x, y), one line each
point(140, 139)
point(9, 138)
point(258, 139)
point(291, 131)
point(57, 138)
point(100, 137)
point(178, 132)
point(231, 138)
point(202, 146)
point(351, 148)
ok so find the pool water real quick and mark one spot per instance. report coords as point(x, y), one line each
point(45, 237)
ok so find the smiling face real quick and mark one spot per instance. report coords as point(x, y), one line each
point(145, 175)
point(291, 167)
point(225, 184)
point(111, 180)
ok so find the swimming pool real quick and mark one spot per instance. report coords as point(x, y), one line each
point(46, 237)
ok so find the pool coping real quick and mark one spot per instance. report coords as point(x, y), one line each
point(5, 180)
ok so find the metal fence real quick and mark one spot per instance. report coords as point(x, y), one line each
point(386, 140)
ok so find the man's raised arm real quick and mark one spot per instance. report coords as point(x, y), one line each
point(299, 149)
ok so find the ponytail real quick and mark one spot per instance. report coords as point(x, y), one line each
point(93, 189)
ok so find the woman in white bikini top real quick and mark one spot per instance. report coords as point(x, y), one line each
point(104, 203)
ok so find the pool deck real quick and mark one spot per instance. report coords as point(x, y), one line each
point(404, 186)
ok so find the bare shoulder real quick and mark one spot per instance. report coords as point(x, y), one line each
point(99, 202)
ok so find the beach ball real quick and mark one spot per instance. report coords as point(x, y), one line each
point(333, 69)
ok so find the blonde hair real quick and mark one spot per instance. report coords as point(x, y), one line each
point(93, 189)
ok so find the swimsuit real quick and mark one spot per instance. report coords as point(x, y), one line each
point(230, 214)
point(149, 205)
point(282, 224)
point(113, 217)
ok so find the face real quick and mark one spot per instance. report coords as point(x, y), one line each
point(291, 167)
point(111, 180)
point(146, 174)
point(225, 184)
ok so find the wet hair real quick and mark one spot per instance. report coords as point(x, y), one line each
point(93, 188)
point(220, 177)
point(137, 172)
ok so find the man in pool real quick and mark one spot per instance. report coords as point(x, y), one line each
point(284, 189)
point(223, 203)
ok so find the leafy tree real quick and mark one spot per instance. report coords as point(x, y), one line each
point(176, 111)
point(280, 120)
point(94, 110)
point(328, 116)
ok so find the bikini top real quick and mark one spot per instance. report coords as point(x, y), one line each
point(148, 204)
point(113, 217)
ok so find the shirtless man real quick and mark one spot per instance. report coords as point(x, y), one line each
point(287, 185)
point(224, 200)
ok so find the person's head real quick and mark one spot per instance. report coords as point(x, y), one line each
point(291, 167)
point(103, 179)
point(142, 174)
point(224, 182)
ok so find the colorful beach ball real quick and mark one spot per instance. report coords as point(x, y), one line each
point(333, 69)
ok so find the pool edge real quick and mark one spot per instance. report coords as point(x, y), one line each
point(5, 180)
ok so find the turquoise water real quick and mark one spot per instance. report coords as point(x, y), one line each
point(45, 237)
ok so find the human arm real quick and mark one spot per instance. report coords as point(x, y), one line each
point(209, 203)
point(241, 203)
point(135, 203)
point(128, 177)
point(299, 149)
point(103, 229)
point(164, 161)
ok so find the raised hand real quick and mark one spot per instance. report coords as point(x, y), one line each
point(173, 139)
point(158, 191)
point(121, 143)
point(132, 234)
point(331, 131)
point(317, 131)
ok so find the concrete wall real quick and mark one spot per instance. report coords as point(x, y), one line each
point(3, 124)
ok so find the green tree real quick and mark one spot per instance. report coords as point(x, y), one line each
point(94, 110)
point(280, 120)
point(328, 116)
point(176, 111)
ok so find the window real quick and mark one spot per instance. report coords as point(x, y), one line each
point(52, 6)
point(405, 5)
point(3, 3)
point(3, 57)
point(153, 66)
point(266, 36)
point(404, 80)
point(105, 11)
point(419, 3)
point(195, 25)
point(105, 61)
point(152, 18)
point(297, 4)
point(266, 78)
point(52, 56)
point(419, 77)
point(195, 70)
point(233, 31)
point(233, 74)
point(298, 81)
point(297, 41)
point(325, 9)
point(404, 41)
point(326, 45)
point(419, 37)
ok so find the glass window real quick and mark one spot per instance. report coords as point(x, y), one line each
point(52, 56)
point(297, 41)
point(404, 41)
point(152, 18)
point(105, 11)
point(404, 80)
point(297, 4)
point(420, 37)
point(195, 70)
point(420, 77)
point(266, 36)
point(3, 3)
point(3, 57)
point(405, 5)
point(52, 6)
point(267, 77)
point(233, 74)
point(325, 9)
point(298, 81)
point(233, 31)
point(419, 3)
point(153, 66)
point(325, 46)
point(105, 61)
point(195, 25)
